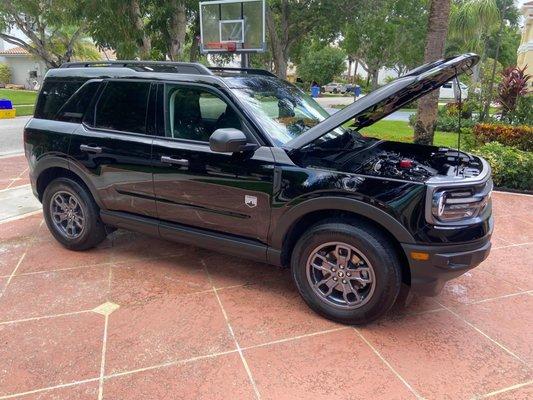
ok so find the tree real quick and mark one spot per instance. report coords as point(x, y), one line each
point(53, 28)
point(147, 29)
point(395, 44)
point(504, 7)
point(321, 64)
point(482, 26)
point(439, 14)
point(290, 21)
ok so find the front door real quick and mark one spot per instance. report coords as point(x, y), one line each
point(113, 147)
point(194, 186)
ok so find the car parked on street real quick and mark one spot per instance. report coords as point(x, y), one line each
point(334, 87)
point(449, 91)
point(242, 162)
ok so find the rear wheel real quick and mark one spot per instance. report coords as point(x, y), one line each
point(71, 215)
point(350, 274)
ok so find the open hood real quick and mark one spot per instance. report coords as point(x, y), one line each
point(391, 97)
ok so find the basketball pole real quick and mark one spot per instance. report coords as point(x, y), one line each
point(245, 60)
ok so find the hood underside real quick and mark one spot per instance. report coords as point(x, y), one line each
point(391, 97)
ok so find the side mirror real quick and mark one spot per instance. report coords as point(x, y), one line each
point(228, 140)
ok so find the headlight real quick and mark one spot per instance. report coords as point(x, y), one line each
point(452, 205)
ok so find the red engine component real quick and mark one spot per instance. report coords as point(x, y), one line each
point(406, 163)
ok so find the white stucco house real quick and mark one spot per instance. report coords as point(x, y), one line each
point(26, 70)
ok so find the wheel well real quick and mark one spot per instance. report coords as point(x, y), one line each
point(308, 220)
point(49, 174)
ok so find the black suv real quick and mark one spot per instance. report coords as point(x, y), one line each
point(239, 161)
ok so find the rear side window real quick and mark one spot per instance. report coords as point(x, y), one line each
point(54, 95)
point(75, 108)
point(123, 106)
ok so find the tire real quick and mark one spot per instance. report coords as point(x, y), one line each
point(378, 266)
point(92, 231)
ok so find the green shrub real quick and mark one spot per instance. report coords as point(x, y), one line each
point(448, 123)
point(511, 168)
point(523, 114)
point(520, 136)
point(5, 74)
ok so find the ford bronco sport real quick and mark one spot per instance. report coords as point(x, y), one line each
point(239, 161)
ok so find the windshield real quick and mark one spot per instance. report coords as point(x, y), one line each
point(283, 110)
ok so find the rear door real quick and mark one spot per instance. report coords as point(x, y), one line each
point(229, 193)
point(113, 146)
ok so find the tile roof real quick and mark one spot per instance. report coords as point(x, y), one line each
point(19, 51)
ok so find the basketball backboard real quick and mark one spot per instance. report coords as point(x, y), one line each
point(232, 26)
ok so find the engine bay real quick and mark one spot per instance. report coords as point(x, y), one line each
point(397, 160)
point(442, 162)
point(391, 164)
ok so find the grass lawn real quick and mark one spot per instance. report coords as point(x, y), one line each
point(399, 131)
point(18, 96)
point(24, 110)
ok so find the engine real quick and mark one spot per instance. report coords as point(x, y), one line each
point(393, 165)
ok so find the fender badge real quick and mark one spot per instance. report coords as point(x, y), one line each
point(250, 201)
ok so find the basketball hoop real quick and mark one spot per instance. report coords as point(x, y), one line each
point(232, 26)
point(230, 47)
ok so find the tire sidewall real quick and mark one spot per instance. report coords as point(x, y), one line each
point(89, 211)
point(385, 266)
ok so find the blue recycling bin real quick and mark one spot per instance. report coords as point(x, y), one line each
point(6, 104)
point(315, 91)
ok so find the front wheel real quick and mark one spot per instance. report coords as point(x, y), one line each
point(71, 215)
point(347, 273)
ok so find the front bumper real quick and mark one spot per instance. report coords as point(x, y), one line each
point(444, 263)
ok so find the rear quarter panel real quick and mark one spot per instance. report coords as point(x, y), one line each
point(45, 140)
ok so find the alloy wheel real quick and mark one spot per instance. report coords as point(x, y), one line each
point(67, 214)
point(341, 275)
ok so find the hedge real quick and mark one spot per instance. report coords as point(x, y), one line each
point(5, 74)
point(511, 168)
point(520, 136)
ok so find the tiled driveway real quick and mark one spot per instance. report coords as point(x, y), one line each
point(141, 318)
point(13, 172)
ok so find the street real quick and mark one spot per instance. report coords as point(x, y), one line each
point(11, 135)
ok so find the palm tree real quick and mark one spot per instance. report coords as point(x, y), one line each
point(471, 22)
point(439, 16)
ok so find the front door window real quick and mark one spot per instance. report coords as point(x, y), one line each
point(194, 114)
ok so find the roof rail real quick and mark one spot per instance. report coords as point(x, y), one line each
point(249, 71)
point(145, 66)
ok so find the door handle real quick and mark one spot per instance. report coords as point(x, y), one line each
point(90, 149)
point(169, 160)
